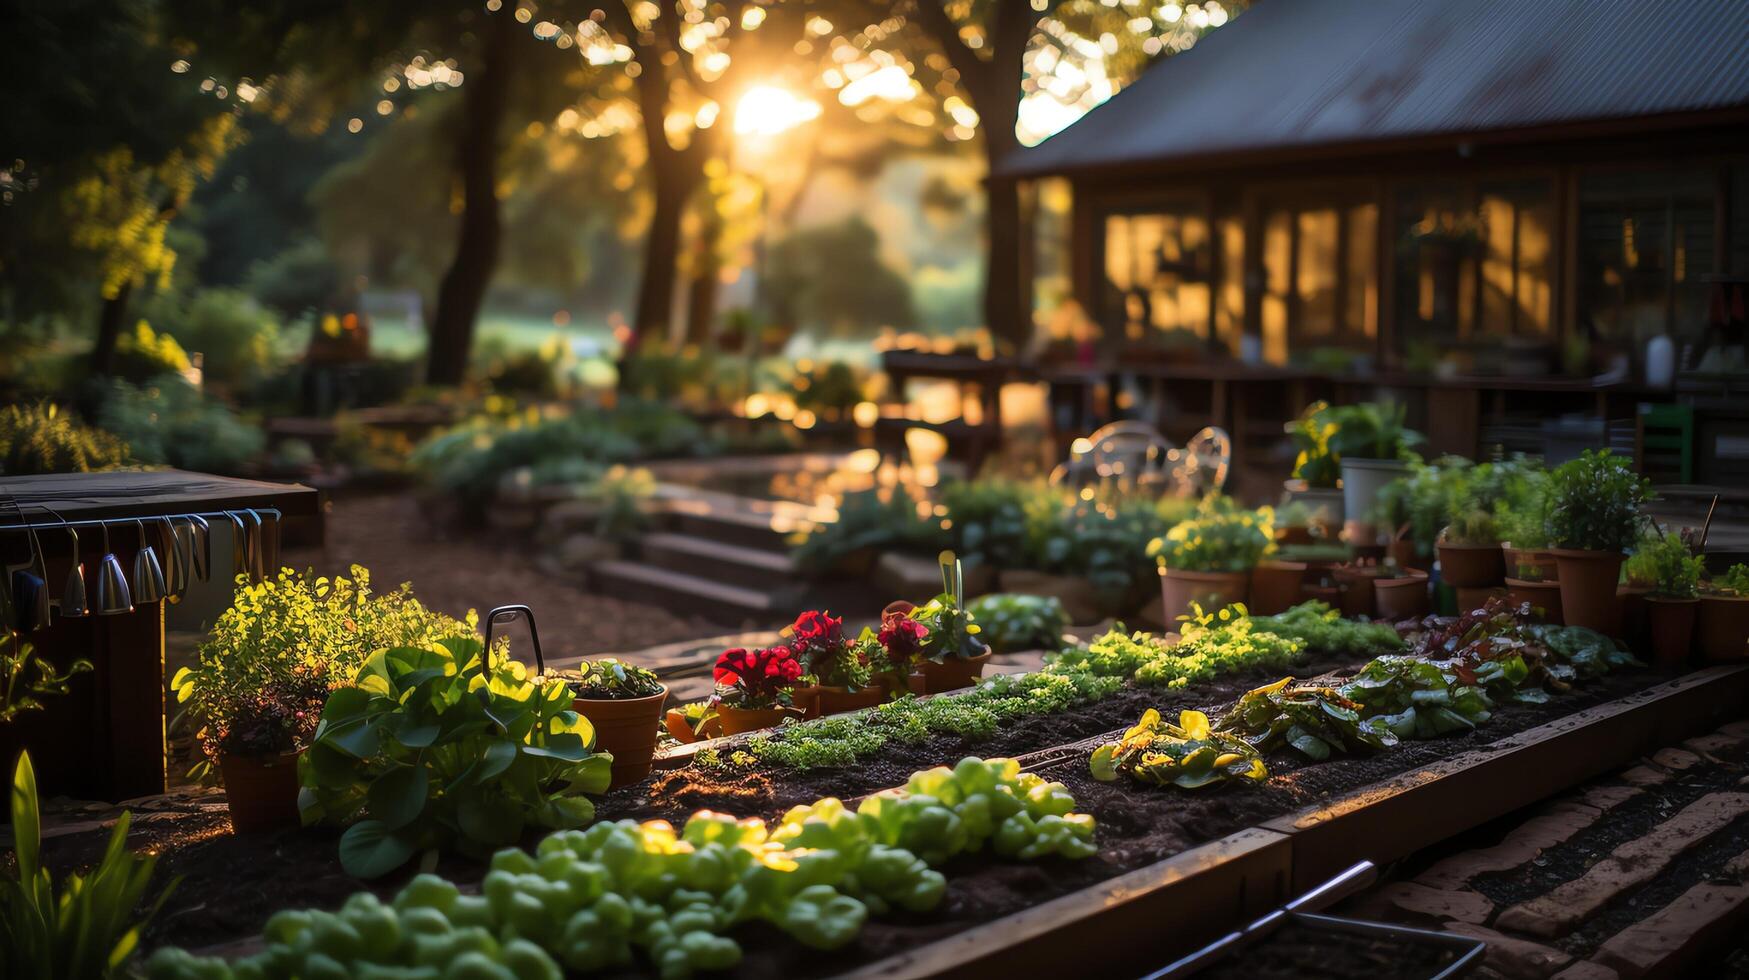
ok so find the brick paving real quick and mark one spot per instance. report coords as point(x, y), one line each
point(1642, 873)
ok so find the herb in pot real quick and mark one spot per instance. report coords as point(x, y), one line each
point(1664, 563)
point(608, 679)
point(1595, 503)
point(1317, 462)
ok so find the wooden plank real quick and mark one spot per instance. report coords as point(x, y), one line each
point(1405, 813)
point(1124, 927)
point(149, 493)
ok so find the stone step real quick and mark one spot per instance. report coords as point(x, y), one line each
point(767, 532)
point(752, 568)
point(729, 604)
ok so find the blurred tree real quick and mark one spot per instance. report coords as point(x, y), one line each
point(833, 276)
point(998, 58)
point(106, 148)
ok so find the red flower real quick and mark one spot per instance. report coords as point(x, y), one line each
point(901, 636)
point(758, 677)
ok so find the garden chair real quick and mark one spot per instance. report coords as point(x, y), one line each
point(1133, 457)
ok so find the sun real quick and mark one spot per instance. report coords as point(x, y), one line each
point(766, 110)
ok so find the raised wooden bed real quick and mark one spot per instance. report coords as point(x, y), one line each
point(1144, 919)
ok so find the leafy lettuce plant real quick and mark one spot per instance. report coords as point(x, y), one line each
point(1416, 698)
point(1318, 722)
point(1189, 755)
point(87, 928)
point(434, 748)
point(1012, 621)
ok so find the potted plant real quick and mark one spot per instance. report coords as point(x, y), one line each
point(1275, 585)
point(1527, 585)
point(1317, 474)
point(951, 655)
point(692, 722)
point(255, 743)
point(1469, 551)
point(1523, 521)
point(1675, 596)
point(1722, 621)
point(1594, 517)
point(1400, 593)
point(1208, 560)
point(1373, 447)
point(624, 703)
point(840, 672)
point(754, 687)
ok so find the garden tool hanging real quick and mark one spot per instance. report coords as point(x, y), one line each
point(113, 596)
point(148, 574)
point(30, 591)
point(73, 602)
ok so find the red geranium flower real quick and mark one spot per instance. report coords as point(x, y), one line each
point(758, 678)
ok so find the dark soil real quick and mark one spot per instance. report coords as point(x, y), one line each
point(232, 883)
point(1301, 952)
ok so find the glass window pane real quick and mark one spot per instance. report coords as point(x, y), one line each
point(1230, 309)
point(1277, 249)
point(1645, 242)
point(1315, 273)
point(1360, 270)
point(1156, 274)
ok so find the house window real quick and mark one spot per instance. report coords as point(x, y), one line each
point(1319, 276)
point(1645, 244)
point(1475, 262)
point(1157, 282)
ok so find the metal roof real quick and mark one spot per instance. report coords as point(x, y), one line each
point(1307, 73)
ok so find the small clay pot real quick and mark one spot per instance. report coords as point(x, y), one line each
point(1672, 624)
point(1518, 559)
point(1275, 585)
point(262, 791)
point(1470, 599)
point(738, 720)
point(1721, 629)
point(837, 700)
point(951, 674)
point(681, 729)
point(1398, 599)
point(1544, 597)
point(1471, 566)
point(1588, 580)
point(1357, 589)
point(1211, 589)
point(806, 700)
point(627, 728)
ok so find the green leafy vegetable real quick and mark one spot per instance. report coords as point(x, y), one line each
point(1416, 698)
point(1189, 755)
point(1318, 722)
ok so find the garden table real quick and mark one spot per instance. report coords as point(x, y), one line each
point(105, 739)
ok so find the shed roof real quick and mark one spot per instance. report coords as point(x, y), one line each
point(1297, 74)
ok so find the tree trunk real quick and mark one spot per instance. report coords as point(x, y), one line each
point(1006, 313)
point(463, 288)
point(110, 321)
point(661, 258)
point(701, 299)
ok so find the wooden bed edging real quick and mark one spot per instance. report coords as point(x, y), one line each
point(1405, 813)
point(1142, 920)
point(1182, 902)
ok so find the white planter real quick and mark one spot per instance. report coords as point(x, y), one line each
point(1325, 504)
point(1362, 479)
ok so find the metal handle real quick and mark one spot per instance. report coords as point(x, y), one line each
point(492, 618)
point(1355, 878)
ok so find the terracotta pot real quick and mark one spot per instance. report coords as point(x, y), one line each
point(1632, 600)
point(1402, 550)
point(1471, 566)
point(1722, 629)
point(1470, 599)
point(1672, 624)
point(837, 700)
point(738, 720)
point(262, 791)
point(1275, 585)
point(1398, 599)
point(1212, 589)
point(628, 729)
point(806, 700)
point(951, 674)
point(1588, 580)
point(1357, 590)
point(1331, 595)
point(1520, 558)
point(1544, 597)
point(678, 727)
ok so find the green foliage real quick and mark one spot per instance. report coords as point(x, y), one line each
point(1020, 622)
point(84, 930)
point(1473, 527)
point(621, 495)
point(238, 340)
point(1222, 538)
point(285, 631)
point(168, 422)
point(1664, 563)
point(1595, 502)
point(1577, 653)
point(1369, 430)
point(1317, 722)
point(43, 439)
point(608, 679)
point(436, 748)
point(991, 520)
point(1189, 755)
point(1416, 698)
point(832, 277)
point(299, 281)
point(1106, 545)
point(1316, 462)
point(1425, 499)
point(26, 678)
point(1734, 582)
point(145, 355)
point(831, 389)
point(952, 630)
point(868, 520)
point(592, 899)
point(1317, 628)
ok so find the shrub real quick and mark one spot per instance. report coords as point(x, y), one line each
point(1020, 622)
point(1222, 538)
point(1595, 501)
point(299, 280)
point(1473, 527)
point(1368, 430)
point(438, 747)
point(1665, 565)
point(281, 637)
point(238, 340)
point(1734, 582)
point(169, 423)
point(146, 355)
point(868, 520)
point(43, 439)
